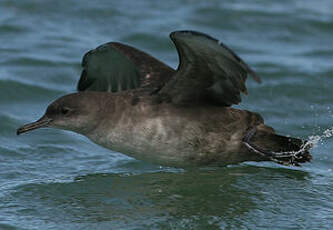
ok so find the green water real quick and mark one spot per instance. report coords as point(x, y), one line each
point(52, 179)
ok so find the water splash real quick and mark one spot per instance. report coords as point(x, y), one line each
point(319, 139)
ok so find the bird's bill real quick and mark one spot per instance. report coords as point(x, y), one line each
point(42, 122)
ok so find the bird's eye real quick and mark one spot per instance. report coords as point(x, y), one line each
point(65, 110)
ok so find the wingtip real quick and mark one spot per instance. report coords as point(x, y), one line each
point(176, 33)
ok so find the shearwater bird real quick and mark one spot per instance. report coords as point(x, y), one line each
point(132, 103)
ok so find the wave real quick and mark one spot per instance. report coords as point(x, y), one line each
point(13, 90)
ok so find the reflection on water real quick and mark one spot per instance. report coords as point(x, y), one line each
point(199, 198)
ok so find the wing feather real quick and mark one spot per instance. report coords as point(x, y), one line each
point(114, 67)
point(208, 71)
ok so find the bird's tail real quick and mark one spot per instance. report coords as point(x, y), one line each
point(280, 149)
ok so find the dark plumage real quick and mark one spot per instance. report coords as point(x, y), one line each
point(130, 102)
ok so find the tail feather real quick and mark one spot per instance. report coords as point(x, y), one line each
point(277, 148)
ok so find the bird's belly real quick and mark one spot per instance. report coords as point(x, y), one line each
point(184, 144)
point(158, 150)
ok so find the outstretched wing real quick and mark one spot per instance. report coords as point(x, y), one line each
point(208, 71)
point(113, 67)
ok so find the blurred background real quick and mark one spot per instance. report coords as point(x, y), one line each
point(52, 179)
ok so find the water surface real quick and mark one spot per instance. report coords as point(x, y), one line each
point(52, 179)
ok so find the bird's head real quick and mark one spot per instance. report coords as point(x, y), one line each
point(76, 112)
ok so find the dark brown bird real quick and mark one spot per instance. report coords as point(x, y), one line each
point(130, 102)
